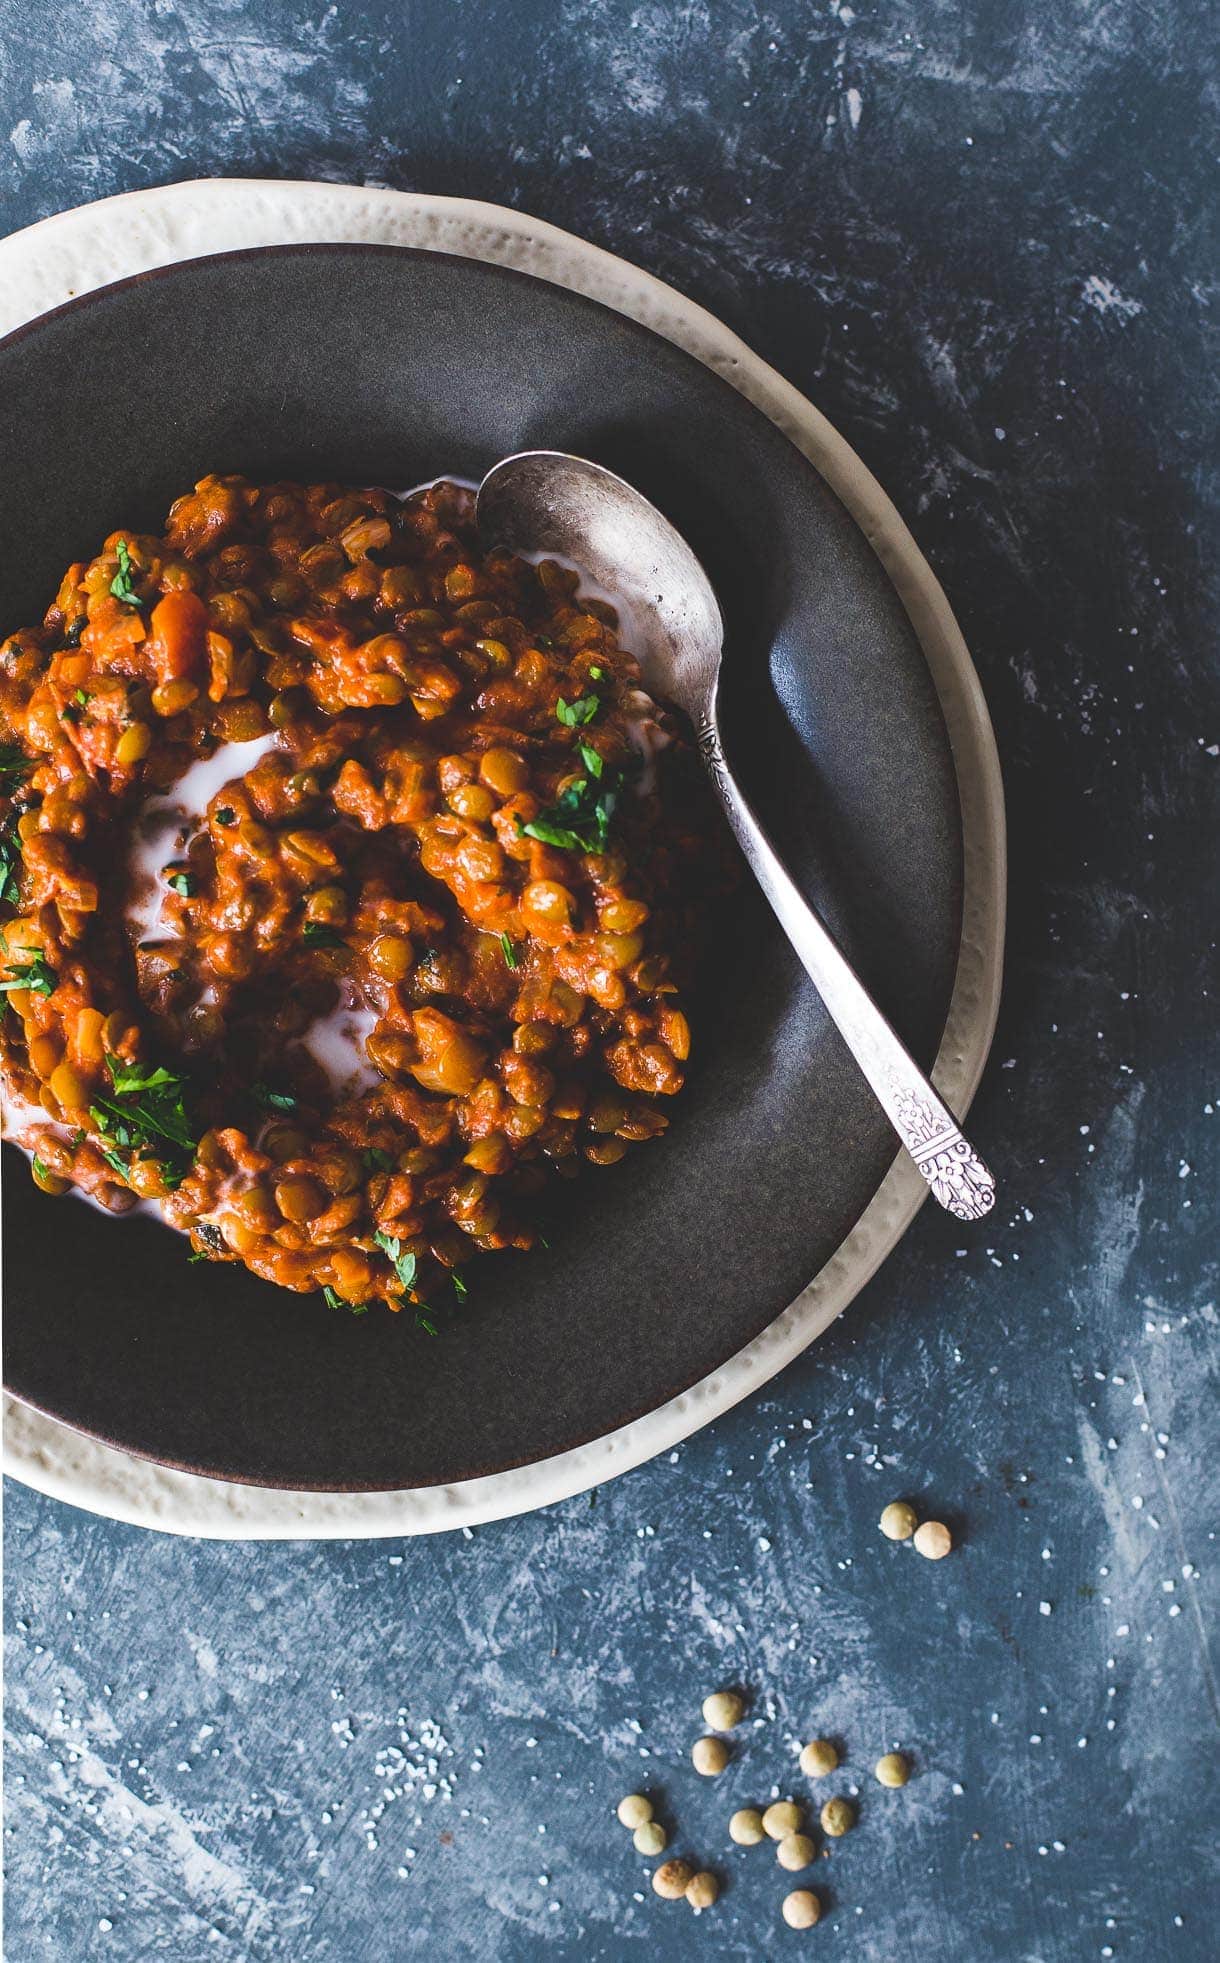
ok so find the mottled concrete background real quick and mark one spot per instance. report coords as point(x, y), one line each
point(976, 234)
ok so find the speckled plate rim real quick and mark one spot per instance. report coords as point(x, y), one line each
point(93, 245)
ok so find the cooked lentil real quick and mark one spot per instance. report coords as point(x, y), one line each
point(433, 789)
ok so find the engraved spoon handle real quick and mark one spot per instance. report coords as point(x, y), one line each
point(957, 1176)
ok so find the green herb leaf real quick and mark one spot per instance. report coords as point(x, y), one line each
point(592, 759)
point(404, 1265)
point(318, 934)
point(425, 1322)
point(81, 696)
point(225, 815)
point(579, 820)
point(39, 1167)
point(10, 858)
point(573, 714)
point(459, 1287)
point(121, 585)
point(182, 882)
point(34, 975)
point(272, 1100)
point(509, 951)
point(113, 1160)
point(375, 1160)
point(147, 1105)
point(548, 833)
point(597, 674)
point(15, 766)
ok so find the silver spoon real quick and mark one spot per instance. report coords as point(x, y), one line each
point(543, 501)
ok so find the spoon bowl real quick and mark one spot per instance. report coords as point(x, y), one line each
point(546, 502)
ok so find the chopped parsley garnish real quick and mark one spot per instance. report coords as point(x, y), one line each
point(147, 1108)
point(82, 696)
point(592, 759)
point(121, 585)
point(39, 1167)
point(15, 766)
point(35, 975)
point(375, 1160)
point(579, 820)
point(573, 714)
point(182, 882)
point(272, 1100)
point(404, 1265)
point(318, 934)
point(597, 674)
point(226, 815)
point(10, 857)
point(509, 951)
point(334, 1300)
point(459, 1287)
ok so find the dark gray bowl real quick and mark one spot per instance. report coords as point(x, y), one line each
point(375, 364)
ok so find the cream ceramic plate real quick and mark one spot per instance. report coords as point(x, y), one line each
point(80, 250)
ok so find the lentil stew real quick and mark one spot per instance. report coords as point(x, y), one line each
point(423, 941)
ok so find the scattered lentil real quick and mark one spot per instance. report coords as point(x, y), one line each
point(702, 1889)
point(899, 1520)
point(672, 1879)
point(746, 1827)
point(709, 1756)
point(723, 1709)
point(818, 1758)
point(801, 1909)
point(795, 1851)
point(650, 1838)
point(634, 1810)
point(782, 1818)
point(933, 1540)
point(892, 1769)
point(838, 1817)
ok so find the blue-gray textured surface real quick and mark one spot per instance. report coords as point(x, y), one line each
point(976, 234)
